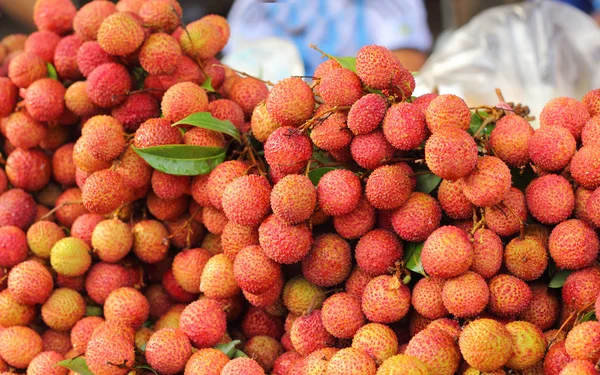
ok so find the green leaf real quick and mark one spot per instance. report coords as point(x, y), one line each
point(206, 121)
point(229, 348)
point(426, 183)
point(477, 120)
point(558, 280)
point(139, 75)
point(51, 71)
point(316, 174)
point(182, 160)
point(207, 85)
point(412, 257)
point(321, 156)
point(143, 347)
point(77, 365)
point(347, 62)
point(239, 354)
point(93, 311)
point(587, 317)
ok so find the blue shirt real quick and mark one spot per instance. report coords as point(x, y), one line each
point(338, 27)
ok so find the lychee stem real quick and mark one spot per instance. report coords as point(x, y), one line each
point(256, 161)
point(266, 82)
point(49, 213)
point(500, 96)
point(485, 123)
point(310, 123)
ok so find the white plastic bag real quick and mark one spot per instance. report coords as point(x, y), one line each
point(532, 51)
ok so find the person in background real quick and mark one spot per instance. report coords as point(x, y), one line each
point(338, 27)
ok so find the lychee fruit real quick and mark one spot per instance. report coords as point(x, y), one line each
point(488, 183)
point(377, 251)
point(342, 315)
point(437, 349)
point(288, 150)
point(70, 257)
point(246, 200)
point(262, 123)
point(182, 100)
point(381, 293)
point(308, 333)
point(28, 169)
point(104, 192)
point(550, 199)
point(417, 218)
point(507, 217)
point(451, 141)
point(509, 295)
point(204, 322)
point(90, 55)
point(254, 271)
point(26, 68)
point(583, 341)
point(573, 245)
point(447, 110)
point(156, 132)
point(371, 150)
point(30, 283)
point(551, 148)
point(338, 87)
point(355, 224)
point(112, 240)
point(150, 241)
point(168, 350)
point(135, 110)
point(583, 167)
point(510, 140)
point(188, 266)
point(300, 296)
point(447, 252)
point(329, 261)
point(120, 34)
point(366, 113)
point(63, 309)
point(54, 15)
point(404, 126)
point(301, 207)
point(486, 344)
point(291, 101)
point(388, 187)
point(19, 346)
point(526, 258)
point(567, 113)
point(466, 295)
point(338, 192)
point(108, 85)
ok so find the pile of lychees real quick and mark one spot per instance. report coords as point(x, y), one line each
point(163, 213)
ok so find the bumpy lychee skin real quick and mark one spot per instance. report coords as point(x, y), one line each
point(168, 350)
point(63, 309)
point(304, 201)
point(329, 261)
point(301, 296)
point(581, 288)
point(128, 306)
point(556, 358)
point(248, 92)
point(339, 87)
point(308, 333)
point(590, 135)
point(501, 218)
point(404, 126)
point(26, 68)
point(246, 200)
point(108, 84)
point(466, 295)
point(330, 134)
point(453, 201)
point(135, 110)
point(262, 123)
point(103, 278)
point(13, 245)
point(550, 199)
point(388, 187)
point(213, 219)
point(78, 101)
point(291, 102)
point(70, 257)
point(580, 367)
point(112, 240)
point(451, 141)
point(218, 280)
point(592, 208)
point(28, 169)
point(544, 308)
point(54, 15)
point(207, 361)
point(17, 208)
point(573, 245)
point(447, 110)
point(188, 266)
point(567, 113)
point(19, 345)
point(104, 137)
point(72, 209)
point(56, 341)
point(509, 295)
point(220, 177)
point(342, 315)
point(591, 100)
point(149, 243)
point(160, 15)
point(204, 322)
point(489, 182)
point(239, 366)
point(46, 363)
point(526, 258)
point(486, 344)
point(437, 349)
point(366, 114)
point(358, 222)
point(377, 340)
point(30, 283)
point(88, 19)
point(264, 350)
point(338, 192)
point(529, 345)
point(8, 93)
point(584, 169)
point(110, 345)
point(254, 271)
point(288, 150)
point(82, 332)
point(156, 132)
point(583, 341)
point(427, 298)
point(378, 68)
point(90, 55)
point(160, 54)
point(377, 251)
point(351, 361)
point(205, 138)
point(65, 58)
point(403, 363)
point(417, 218)
point(510, 140)
point(183, 99)
point(235, 237)
point(380, 294)
point(14, 313)
point(103, 192)
point(447, 252)
point(120, 34)
point(225, 109)
point(371, 150)
point(551, 148)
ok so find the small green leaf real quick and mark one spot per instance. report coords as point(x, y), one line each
point(587, 317)
point(321, 156)
point(207, 85)
point(93, 311)
point(316, 174)
point(148, 323)
point(426, 183)
point(77, 365)
point(206, 121)
point(239, 354)
point(558, 280)
point(182, 160)
point(412, 257)
point(51, 71)
point(551, 267)
point(229, 348)
point(347, 62)
point(143, 347)
point(477, 120)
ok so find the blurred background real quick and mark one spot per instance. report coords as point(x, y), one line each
point(535, 49)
